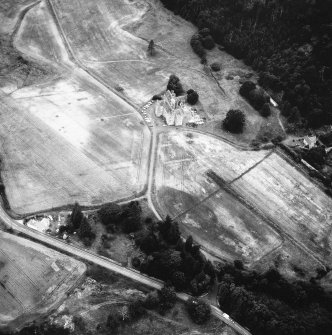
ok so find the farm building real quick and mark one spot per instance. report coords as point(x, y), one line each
point(175, 111)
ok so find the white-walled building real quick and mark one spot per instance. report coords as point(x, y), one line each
point(175, 111)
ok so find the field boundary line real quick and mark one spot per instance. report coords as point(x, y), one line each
point(272, 223)
point(78, 62)
point(20, 18)
point(220, 188)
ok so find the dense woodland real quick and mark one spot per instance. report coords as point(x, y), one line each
point(269, 304)
point(288, 42)
point(173, 260)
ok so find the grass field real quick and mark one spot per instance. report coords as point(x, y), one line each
point(67, 139)
point(66, 142)
point(33, 279)
point(216, 219)
point(111, 39)
point(296, 204)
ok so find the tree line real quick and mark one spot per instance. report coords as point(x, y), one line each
point(288, 42)
point(267, 303)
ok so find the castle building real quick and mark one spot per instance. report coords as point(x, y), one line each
point(175, 111)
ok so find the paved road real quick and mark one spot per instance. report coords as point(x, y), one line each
point(106, 263)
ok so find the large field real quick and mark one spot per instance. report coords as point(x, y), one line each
point(222, 219)
point(110, 38)
point(33, 280)
point(65, 142)
point(67, 138)
point(215, 218)
point(292, 201)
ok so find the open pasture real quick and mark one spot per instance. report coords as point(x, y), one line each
point(65, 141)
point(110, 38)
point(33, 279)
point(224, 226)
point(292, 201)
point(183, 159)
point(216, 219)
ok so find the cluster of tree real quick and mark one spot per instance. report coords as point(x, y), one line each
point(215, 67)
point(315, 156)
point(257, 97)
point(201, 41)
point(234, 121)
point(289, 42)
point(151, 48)
point(162, 301)
point(77, 222)
point(126, 217)
point(172, 260)
point(269, 304)
point(198, 310)
point(175, 85)
point(192, 97)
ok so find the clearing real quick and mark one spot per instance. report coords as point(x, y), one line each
point(216, 219)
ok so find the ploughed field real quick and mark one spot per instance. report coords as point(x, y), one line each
point(65, 138)
point(33, 280)
point(255, 200)
point(298, 206)
point(64, 142)
point(215, 218)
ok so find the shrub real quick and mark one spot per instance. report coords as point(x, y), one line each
point(152, 300)
point(208, 42)
point(167, 298)
point(76, 216)
point(174, 85)
point(204, 32)
point(246, 88)
point(234, 121)
point(197, 46)
point(136, 309)
point(192, 97)
point(110, 213)
point(266, 110)
point(136, 262)
point(113, 320)
point(198, 310)
point(156, 97)
point(179, 280)
point(215, 67)
point(258, 98)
